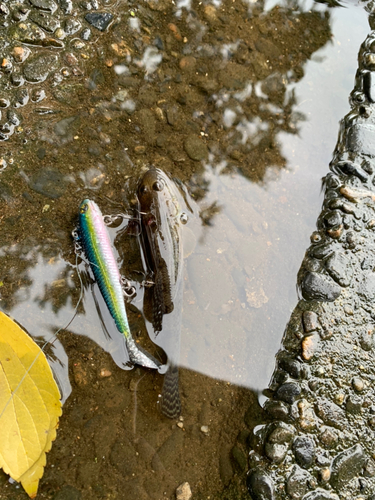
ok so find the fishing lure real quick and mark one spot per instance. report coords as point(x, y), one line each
point(97, 247)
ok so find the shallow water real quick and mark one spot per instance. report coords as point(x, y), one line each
point(241, 102)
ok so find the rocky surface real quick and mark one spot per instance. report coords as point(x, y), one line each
point(319, 443)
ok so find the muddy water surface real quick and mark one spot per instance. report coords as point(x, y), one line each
point(238, 100)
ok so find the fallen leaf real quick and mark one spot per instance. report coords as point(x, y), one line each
point(30, 406)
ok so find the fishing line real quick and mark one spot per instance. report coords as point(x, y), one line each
point(49, 342)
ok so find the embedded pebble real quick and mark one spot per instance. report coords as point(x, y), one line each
point(358, 384)
point(347, 465)
point(297, 483)
point(310, 321)
point(318, 287)
point(205, 429)
point(340, 269)
point(260, 486)
point(40, 67)
point(195, 148)
point(354, 404)
point(278, 441)
point(48, 5)
point(304, 451)
point(328, 437)
point(309, 345)
point(100, 20)
point(320, 494)
point(183, 492)
point(330, 413)
point(288, 392)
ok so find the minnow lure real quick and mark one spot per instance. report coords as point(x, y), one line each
point(162, 220)
point(98, 250)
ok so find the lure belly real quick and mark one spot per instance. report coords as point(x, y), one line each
point(98, 250)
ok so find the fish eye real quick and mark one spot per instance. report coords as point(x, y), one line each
point(84, 208)
point(158, 185)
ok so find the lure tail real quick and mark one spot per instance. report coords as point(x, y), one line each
point(139, 356)
point(170, 402)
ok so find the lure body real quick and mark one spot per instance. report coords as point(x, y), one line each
point(98, 250)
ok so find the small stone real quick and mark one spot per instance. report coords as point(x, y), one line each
point(310, 321)
point(205, 429)
point(196, 148)
point(100, 20)
point(336, 231)
point(104, 373)
point(187, 63)
point(48, 5)
point(339, 398)
point(304, 451)
point(256, 298)
point(325, 474)
point(79, 374)
point(320, 494)
point(20, 54)
point(288, 392)
point(210, 13)
point(297, 483)
point(340, 269)
point(358, 384)
point(180, 425)
point(328, 438)
point(260, 485)
point(278, 441)
point(319, 287)
point(354, 404)
point(347, 465)
point(309, 345)
point(330, 413)
point(40, 67)
point(183, 492)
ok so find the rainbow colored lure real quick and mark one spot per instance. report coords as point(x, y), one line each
point(98, 250)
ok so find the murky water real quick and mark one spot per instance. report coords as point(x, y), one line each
point(241, 102)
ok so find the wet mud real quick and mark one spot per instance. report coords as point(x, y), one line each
point(91, 95)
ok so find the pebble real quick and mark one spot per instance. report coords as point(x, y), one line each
point(347, 465)
point(104, 373)
point(288, 392)
point(205, 429)
point(358, 384)
point(297, 483)
point(100, 20)
point(278, 441)
point(20, 54)
point(318, 287)
point(183, 492)
point(196, 148)
point(187, 63)
point(39, 68)
point(309, 345)
point(340, 269)
point(328, 438)
point(310, 321)
point(330, 413)
point(304, 451)
point(260, 486)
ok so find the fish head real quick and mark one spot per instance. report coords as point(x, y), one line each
point(156, 191)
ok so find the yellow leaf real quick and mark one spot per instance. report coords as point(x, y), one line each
point(30, 406)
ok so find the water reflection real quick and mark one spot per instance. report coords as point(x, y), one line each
point(240, 101)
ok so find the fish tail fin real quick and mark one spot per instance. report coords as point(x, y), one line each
point(170, 394)
point(139, 356)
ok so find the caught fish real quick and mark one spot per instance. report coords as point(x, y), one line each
point(98, 250)
point(162, 220)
